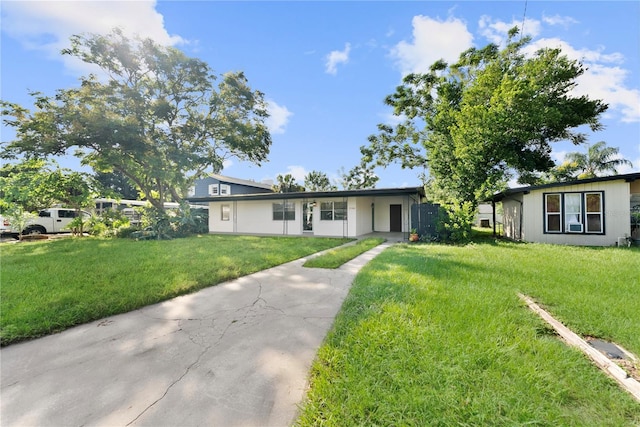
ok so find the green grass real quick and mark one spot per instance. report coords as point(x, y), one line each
point(436, 335)
point(334, 258)
point(49, 286)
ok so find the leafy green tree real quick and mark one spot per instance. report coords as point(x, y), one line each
point(286, 184)
point(359, 177)
point(598, 160)
point(27, 185)
point(158, 118)
point(493, 112)
point(318, 181)
point(116, 185)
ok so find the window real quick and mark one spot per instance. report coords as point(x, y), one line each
point(62, 213)
point(574, 213)
point(213, 189)
point(593, 203)
point(224, 212)
point(333, 211)
point(552, 213)
point(225, 189)
point(284, 211)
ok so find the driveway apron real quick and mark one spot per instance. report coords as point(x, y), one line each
point(235, 354)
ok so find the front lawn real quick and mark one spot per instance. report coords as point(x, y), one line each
point(436, 335)
point(49, 286)
point(334, 258)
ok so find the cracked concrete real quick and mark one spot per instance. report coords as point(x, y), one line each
point(236, 354)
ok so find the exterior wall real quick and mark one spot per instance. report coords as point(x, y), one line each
point(616, 215)
point(256, 217)
point(485, 213)
point(512, 215)
point(335, 228)
point(216, 224)
point(364, 224)
point(202, 187)
point(382, 215)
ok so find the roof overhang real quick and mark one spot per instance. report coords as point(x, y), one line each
point(630, 177)
point(371, 192)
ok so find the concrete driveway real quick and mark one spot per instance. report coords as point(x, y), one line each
point(236, 354)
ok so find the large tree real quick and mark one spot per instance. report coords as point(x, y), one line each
point(32, 185)
point(359, 177)
point(116, 185)
point(286, 184)
point(493, 112)
point(155, 115)
point(318, 181)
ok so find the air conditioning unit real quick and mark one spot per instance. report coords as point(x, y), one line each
point(575, 228)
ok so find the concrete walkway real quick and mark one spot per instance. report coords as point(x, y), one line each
point(235, 354)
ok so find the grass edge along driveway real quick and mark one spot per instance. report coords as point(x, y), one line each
point(49, 286)
point(334, 258)
point(436, 335)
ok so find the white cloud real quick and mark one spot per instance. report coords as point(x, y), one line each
point(47, 25)
point(496, 31)
point(278, 117)
point(337, 57)
point(565, 21)
point(558, 156)
point(298, 172)
point(432, 40)
point(604, 78)
point(226, 164)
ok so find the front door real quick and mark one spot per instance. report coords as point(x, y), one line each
point(307, 216)
point(395, 218)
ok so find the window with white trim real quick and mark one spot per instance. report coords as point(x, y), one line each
point(213, 189)
point(333, 211)
point(225, 189)
point(284, 211)
point(574, 213)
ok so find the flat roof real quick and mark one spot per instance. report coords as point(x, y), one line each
point(313, 194)
point(629, 177)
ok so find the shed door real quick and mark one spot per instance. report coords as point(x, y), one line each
point(395, 218)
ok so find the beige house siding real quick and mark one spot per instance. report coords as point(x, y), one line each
point(616, 215)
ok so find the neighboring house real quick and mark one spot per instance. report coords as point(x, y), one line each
point(348, 213)
point(593, 212)
point(218, 185)
point(485, 216)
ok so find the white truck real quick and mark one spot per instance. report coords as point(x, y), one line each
point(52, 220)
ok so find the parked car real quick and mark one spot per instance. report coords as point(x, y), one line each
point(52, 220)
point(5, 227)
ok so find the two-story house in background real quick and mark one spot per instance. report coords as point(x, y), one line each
point(219, 185)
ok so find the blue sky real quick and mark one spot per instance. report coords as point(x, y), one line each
point(325, 67)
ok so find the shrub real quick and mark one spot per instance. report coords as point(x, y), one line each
point(455, 223)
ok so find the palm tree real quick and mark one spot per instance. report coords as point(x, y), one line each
point(598, 159)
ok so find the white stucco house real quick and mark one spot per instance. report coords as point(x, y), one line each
point(347, 213)
point(588, 212)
